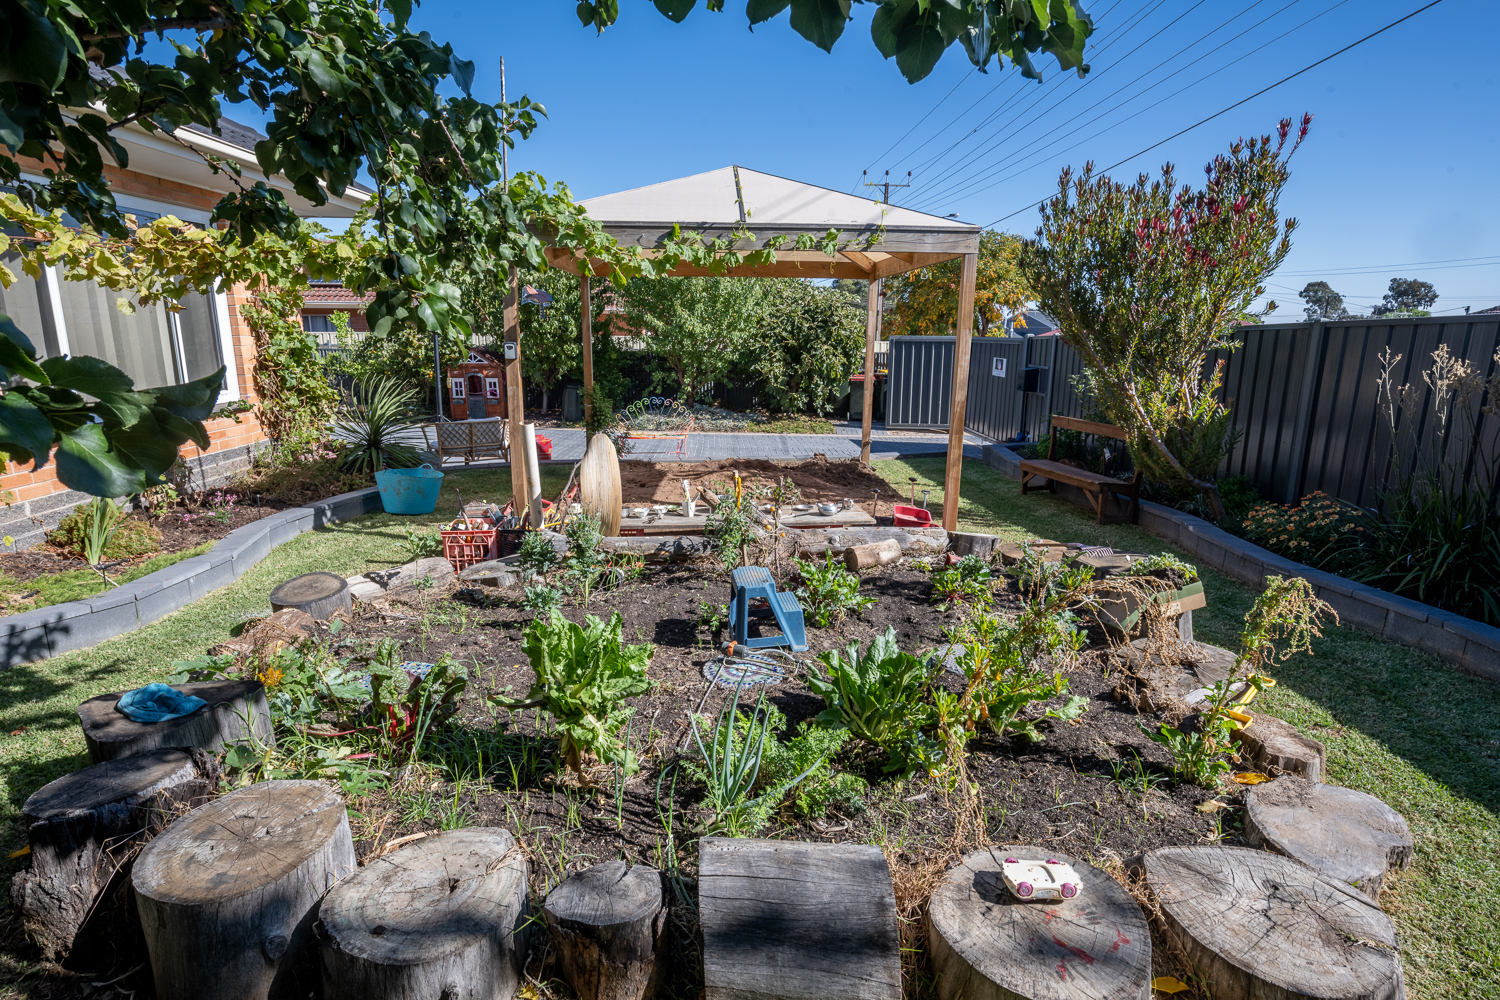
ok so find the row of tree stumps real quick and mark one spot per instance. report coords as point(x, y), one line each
point(257, 894)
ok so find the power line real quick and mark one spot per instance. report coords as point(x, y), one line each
point(1139, 19)
point(1225, 111)
point(1366, 268)
point(963, 80)
point(1010, 101)
point(945, 183)
point(1032, 153)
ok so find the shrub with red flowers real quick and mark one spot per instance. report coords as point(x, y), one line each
point(1322, 531)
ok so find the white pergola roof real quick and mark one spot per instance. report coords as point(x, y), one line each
point(720, 202)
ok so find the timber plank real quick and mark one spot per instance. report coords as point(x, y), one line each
point(784, 920)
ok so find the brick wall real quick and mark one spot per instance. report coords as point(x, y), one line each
point(40, 501)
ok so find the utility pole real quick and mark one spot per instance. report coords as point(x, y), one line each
point(886, 184)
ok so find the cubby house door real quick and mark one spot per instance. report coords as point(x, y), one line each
point(477, 409)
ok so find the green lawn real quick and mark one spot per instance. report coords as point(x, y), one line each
point(1398, 723)
point(76, 584)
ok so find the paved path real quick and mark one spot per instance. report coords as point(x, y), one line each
point(567, 445)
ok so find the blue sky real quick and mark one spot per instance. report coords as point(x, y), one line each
point(1399, 168)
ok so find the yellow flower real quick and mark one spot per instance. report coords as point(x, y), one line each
point(269, 676)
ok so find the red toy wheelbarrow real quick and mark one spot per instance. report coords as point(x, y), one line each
point(911, 517)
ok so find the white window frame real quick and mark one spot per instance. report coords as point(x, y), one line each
point(231, 390)
point(491, 388)
point(458, 387)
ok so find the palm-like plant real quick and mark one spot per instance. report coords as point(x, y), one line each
point(368, 428)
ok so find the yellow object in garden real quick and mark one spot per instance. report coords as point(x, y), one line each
point(269, 676)
point(1243, 718)
point(1251, 778)
point(21, 853)
point(1168, 984)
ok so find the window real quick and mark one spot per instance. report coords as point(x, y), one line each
point(197, 337)
point(151, 345)
point(26, 305)
point(458, 388)
point(476, 384)
point(492, 388)
point(317, 323)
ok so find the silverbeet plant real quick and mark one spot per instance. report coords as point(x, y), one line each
point(880, 695)
point(829, 591)
point(583, 675)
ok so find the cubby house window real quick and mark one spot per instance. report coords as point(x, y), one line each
point(492, 388)
point(458, 388)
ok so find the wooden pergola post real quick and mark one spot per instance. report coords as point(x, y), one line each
point(872, 333)
point(587, 324)
point(514, 401)
point(960, 395)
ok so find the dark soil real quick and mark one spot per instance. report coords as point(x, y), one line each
point(1059, 792)
point(185, 526)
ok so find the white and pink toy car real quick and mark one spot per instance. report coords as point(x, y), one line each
point(1035, 881)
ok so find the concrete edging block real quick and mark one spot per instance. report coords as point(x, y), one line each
point(60, 628)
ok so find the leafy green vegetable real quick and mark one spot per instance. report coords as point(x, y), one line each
point(583, 674)
point(829, 591)
point(968, 582)
point(879, 696)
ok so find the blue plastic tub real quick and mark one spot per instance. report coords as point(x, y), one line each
point(409, 491)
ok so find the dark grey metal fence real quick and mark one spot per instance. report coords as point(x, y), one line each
point(1305, 398)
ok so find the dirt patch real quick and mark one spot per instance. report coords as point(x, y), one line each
point(818, 479)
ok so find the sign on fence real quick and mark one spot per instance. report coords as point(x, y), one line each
point(999, 368)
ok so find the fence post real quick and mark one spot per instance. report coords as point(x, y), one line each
point(1317, 346)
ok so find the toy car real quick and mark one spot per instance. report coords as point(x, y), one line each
point(1034, 881)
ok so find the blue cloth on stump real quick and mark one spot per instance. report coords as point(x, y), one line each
point(158, 703)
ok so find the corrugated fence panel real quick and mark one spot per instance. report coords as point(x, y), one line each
point(996, 404)
point(1263, 384)
point(920, 386)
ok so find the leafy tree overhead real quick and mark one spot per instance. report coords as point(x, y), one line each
point(925, 301)
point(1322, 301)
point(916, 32)
point(1147, 281)
point(1407, 296)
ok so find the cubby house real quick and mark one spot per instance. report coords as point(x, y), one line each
point(476, 388)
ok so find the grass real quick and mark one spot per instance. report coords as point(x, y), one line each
point(76, 584)
point(792, 423)
point(1398, 723)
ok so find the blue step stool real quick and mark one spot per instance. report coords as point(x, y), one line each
point(749, 583)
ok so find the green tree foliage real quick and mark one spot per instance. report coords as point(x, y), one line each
point(1148, 280)
point(1322, 301)
point(925, 301)
point(698, 326)
point(1406, 296)
point(290, 375)
point(810, 340)
point(915, 33)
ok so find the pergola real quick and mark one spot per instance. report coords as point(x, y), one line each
point(733, 200)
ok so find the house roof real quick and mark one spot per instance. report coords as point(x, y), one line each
point(245, 137)
point(732, 201)
point(331, 293)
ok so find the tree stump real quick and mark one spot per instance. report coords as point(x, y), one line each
point(987, 945)
point(606, 923)
point(1346, 835)
point(111, 734)
point(318, 594)
point(1279, 748)
point(599, 483)
point(84, 829)
point(226, 894)
point(1258, 925)
point(784, 920)
point(438, 918)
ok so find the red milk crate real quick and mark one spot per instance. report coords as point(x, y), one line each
point(463, 547)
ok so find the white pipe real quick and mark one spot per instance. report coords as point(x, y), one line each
point(533, 475)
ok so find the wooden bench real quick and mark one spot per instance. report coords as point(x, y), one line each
point(468, 439)
point(1094, 485)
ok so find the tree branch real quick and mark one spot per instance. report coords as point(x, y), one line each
point(159, 25)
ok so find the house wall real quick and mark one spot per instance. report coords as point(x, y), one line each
point(37, 501)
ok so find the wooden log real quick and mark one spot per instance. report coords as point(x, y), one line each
point(1258, 926)
point(987, 945)
point(227, 893)
point(319, 594)
point(439, 918)
point(235, 710)
point(968, 543)
point(784, 920)
point(1347, 835)
point(85, 828)
point(606, 924)
point(862, 557)
point(1279, 748)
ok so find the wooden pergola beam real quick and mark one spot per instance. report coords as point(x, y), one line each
point(960, 397)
